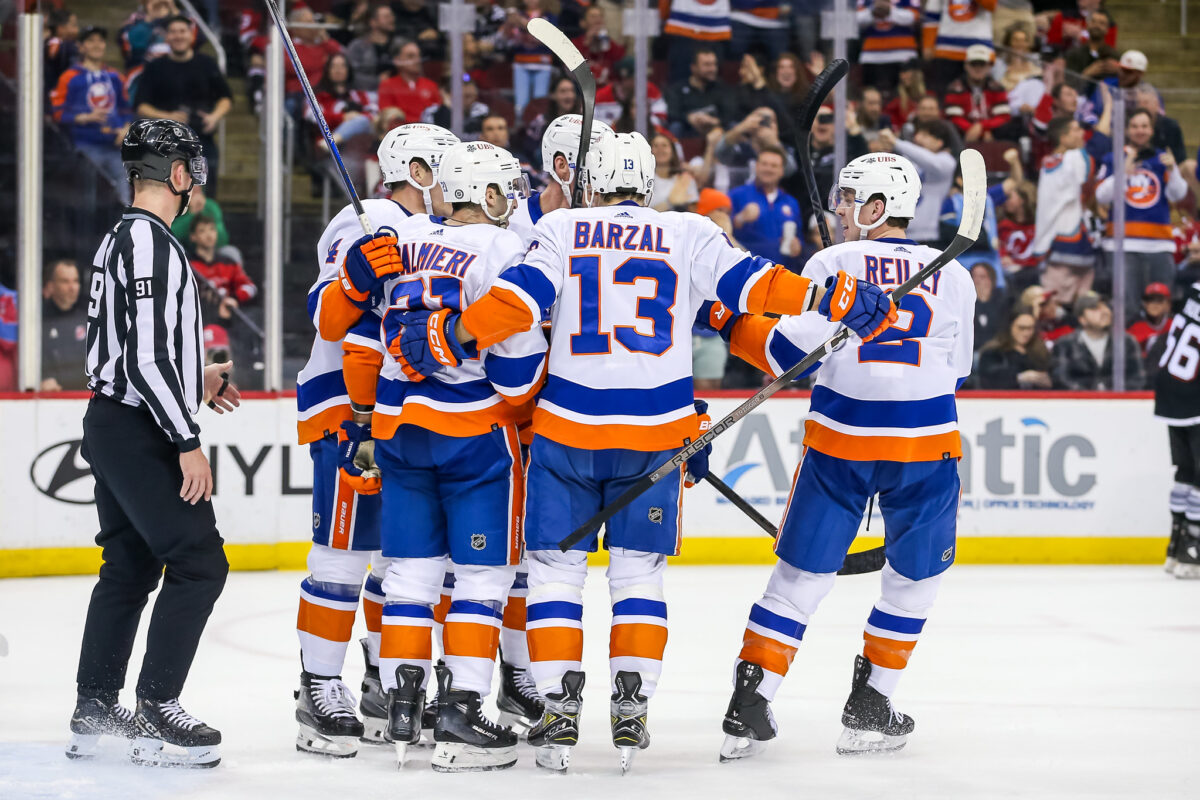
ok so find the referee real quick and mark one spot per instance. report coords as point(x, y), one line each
point(145, 361)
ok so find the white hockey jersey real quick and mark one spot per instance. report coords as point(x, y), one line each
point(452, 266)
point(321, 399)
point(890, 399)
point(622, 285)
point(529, 211)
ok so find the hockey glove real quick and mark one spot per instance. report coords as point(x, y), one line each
point(862, 307)
point(427, 343)
point(715, 316)
point(697, 465)
point(368, 263)
point(356, 458)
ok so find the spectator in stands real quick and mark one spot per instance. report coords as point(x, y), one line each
point(1017, 60)
point(674, 189)
point(1154, 318)
point(187, 87)
point(821, 152)
point(417, 21)
point(64, 328)
point(60, 49)
point(756, 26)
point(1189, 267)
point(1153, 181)
point(742, 143)
point(1083, 360)
point(1094, 57)
point(765, 217)
point(719, 208)
point(986, 247)
point(752, 92)
point(1168, 135)
point(1053, 321)
point(1017, 357)
point(473, 110)
point(494, 130)
point(314, 47)
point(224, 285)
point(597, 47)
point(888, 30)
point(693, 26)
point(1061, 239)
point(978, 105)
point(614, 102)
point(1071, 26)
point(936, 166)
point(90, 102)
point(990, 303)
point(1062, 100)
point(143, 37)
point(200, 204)
point(8, 339)
point(709, 351)
point(531, 61)
point(562, 99)
point(370, 54)
point(697, 105)
point(489, 20)
point(1015, 229)
point(703, 167)
point(408, 89)
point(1131, 73)
point(951, 27)
point(349, 112)
point(910, 89)
point(929, 109)
point(868, 114)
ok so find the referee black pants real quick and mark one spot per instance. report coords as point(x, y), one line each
point(146, 531)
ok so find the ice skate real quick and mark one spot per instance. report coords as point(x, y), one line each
point(518, 700)
point(1187, 553)
point(406, 704)
point(872, 724)
point(466, 740)
point(558, 729)
point(168, 736)
point(627, 714)
point(94, 718)
point(373, 705)
point(325, 711)
point(1178, 527)
point(748, 723)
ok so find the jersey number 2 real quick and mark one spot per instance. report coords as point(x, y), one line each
point(656, 308)
point(898, 344)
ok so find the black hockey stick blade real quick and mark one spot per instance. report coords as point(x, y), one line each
point(974, 200)
point(805, 117)
point(566, 52)
point(863, 562)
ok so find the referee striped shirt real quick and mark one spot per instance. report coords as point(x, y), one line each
point(145, 345)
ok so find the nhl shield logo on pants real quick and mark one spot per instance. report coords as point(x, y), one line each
point(478, 541)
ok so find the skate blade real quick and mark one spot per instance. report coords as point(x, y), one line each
point(853, 742)
point(520, 725)
point(1187, 572)
point(627, 754)
point(147, 752)
point(373, 730)
point(310, 741)
point(739, 747)
point(555, 757)
point(459, 757)
point(401, 753)
point(83, 745)
point(1169, 565)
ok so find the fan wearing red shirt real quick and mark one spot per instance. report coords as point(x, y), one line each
point(313, 46)
point(1155, 317)
point(227, 278)
point(598, 49)
point(1069, 27)
point(408, 90)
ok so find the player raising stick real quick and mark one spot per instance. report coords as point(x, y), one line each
point(346, 502)
point(882, 420)
point(621, 284)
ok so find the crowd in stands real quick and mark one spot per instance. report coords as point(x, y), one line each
point(1032, 84)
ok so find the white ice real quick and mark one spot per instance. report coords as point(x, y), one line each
point(1040, 682)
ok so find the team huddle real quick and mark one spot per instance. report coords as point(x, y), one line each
point(492, 368)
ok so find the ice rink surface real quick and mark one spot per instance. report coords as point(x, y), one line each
point(1040, 682)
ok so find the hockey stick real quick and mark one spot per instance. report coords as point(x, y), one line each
point(820, 89)
point(311, 97)
point(855, 563)
point(974, 200)
point(573, 60)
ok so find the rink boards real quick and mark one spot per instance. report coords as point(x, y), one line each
point(1047, 478)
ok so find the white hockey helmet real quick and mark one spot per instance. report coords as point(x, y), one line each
point(404, 143)
point(562, 136)
point(619, 162)
point(887, 174)
point(468, 168)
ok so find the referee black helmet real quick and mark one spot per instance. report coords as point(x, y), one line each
point(151, 146)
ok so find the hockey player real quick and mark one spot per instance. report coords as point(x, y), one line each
point(346, 502)
point(1177, 403)
point(621, 284)
point(453, 482)
point(882, 420)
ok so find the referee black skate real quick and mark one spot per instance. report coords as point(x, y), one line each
point(145, 361)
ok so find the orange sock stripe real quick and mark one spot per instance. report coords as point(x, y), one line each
point(441, 609)
point(327, 623)
point(888, 653)
point(555, 644)
point(471, 640)
point(406, 642)
point(514, 613)
point(768, 653)
point(638, 641)
point(373, 615)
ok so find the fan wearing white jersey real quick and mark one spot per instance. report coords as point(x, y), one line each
point(621, 284)
point(453, 479)
point(560, 151)
point(346, 503)
point(882, 421)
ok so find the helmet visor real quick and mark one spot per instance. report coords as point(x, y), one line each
point(519, 187)
point(198, 167)
point(839, 196)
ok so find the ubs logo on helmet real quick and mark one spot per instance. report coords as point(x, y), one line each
point(1142, 189)
point(59, 472)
